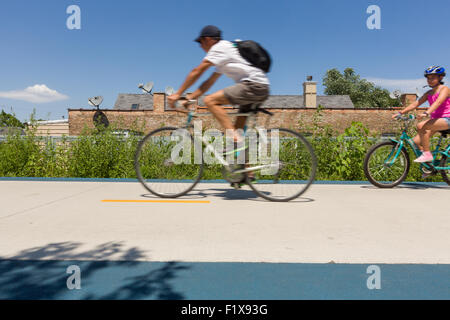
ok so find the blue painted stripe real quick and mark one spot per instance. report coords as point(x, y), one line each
point(67, 179)
point(337, 182)
point(47, 279)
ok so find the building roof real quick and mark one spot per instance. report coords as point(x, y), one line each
point(145, 101)
point(296, 102)
point(126, 100)
point(335, 102)
point(284, 102)
point(42, 122)
point(11, 130)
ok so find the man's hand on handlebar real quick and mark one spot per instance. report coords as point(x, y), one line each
point(176, 101)
point(172, 99)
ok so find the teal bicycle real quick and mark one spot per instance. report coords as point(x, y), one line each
point(387, 163)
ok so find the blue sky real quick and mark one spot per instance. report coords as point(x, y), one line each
point(46, 66)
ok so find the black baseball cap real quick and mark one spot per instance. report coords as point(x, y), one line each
point(209, 31)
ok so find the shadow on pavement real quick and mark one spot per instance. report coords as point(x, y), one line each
point(227, 193)
point(190, 196)
point(414, 186)
point(242, 194)
point(24, 276)
point(230, 194)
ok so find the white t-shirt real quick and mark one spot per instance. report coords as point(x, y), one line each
point(225, 56)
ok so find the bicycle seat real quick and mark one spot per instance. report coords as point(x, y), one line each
point(256, 107)
point(445, 133)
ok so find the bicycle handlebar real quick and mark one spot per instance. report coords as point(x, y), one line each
point(188, 102)
point(409, 117)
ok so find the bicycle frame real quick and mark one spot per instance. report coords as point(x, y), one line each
point(405, 140)
point(218, 156)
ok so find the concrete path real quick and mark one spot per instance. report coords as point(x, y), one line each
point(340, 241)
point(331, 223)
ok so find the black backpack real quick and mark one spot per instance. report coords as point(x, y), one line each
point(254, 53)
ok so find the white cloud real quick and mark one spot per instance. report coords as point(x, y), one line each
point(38, 93)
point(404, 85)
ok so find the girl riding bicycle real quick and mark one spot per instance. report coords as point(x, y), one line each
point(439, 111)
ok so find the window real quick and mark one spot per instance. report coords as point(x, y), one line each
point(135, 106)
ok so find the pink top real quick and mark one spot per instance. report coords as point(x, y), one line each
point(443, 111)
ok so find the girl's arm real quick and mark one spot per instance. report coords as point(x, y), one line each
point(443, 95)
point(415, 104)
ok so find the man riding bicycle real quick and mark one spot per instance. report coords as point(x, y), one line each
point(252, 84)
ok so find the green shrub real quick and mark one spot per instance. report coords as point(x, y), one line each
point(102, 154)
point(99, 153)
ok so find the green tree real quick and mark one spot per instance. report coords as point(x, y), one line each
point(364, 94)
point(9, 120)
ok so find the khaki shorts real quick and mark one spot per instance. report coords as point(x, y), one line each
point(246, 93)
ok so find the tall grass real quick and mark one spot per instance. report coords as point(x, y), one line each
point(102, 154)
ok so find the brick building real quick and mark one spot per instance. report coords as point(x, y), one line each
point(54, 128)
point(146, 112)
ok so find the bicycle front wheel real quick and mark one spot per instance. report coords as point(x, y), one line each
point(381, 166)
point(165, 162)
point(285, 167)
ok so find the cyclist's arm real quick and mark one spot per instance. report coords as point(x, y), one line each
point(205, 86)
point(415, 104)
point(440, 100)
point(193, 76)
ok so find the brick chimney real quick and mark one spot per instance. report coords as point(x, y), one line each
point(159, 101)
point(310, 93)
point(408, 98)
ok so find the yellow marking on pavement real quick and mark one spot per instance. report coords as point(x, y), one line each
point(160, 201)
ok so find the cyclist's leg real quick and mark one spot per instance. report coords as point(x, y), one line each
point(241, 120)
point(214, 102)
point(245, 94)
point(240, 124)
point(426, 132)
point(418, 138)
point(431, 127)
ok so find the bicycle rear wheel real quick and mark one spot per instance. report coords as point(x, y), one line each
point(165, 163)
point(289, 167)
point(381, 170)
point(445, 162)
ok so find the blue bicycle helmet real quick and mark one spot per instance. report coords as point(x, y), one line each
point(435, 70)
